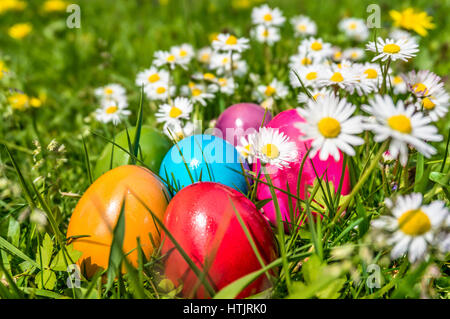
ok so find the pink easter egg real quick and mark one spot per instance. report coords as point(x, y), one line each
point(285, 121)
point(240, 120)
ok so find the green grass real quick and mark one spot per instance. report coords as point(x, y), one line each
point(115, 42)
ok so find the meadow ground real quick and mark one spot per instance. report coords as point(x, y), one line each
point(52, 137)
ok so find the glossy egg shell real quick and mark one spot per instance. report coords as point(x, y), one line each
point(239, 119)
point(208, 158)
point(153, 145)
point(285, 121)
point(202, 220)
point(97, 211)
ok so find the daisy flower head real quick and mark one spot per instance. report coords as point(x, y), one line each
point(330, 124)
point(303, 26)
point(267, 16)
point(303, 98)
point(225, 85)
point(176, 131)
point(276, 89)
point(316, 48)
point(221, 63)
point(273, 147)
point(436, 105)
point(354, 54)
point(181, 108)
point(309, 75)
point(399, 34)
point(393, 49)
point(343, 75)
point(204, 55)
point(230, 43)
point(265, 34)
point(403, 125)
point(198, 93)
point(159, 91)
point(183, 53)
point(244, 147)
point(113, 91)
point(152, 76)
point(412, 225)
point(398, 84)
point(111, 111)
point(354, 28)
point(167, 58)
point(302, 59)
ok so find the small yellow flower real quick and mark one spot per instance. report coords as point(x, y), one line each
point(19, 101)
point(410, 19)
point(12, 5)
point(55, 5)
point(35, 102)
point(20, 30)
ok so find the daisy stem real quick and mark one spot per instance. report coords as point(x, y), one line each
point(362, 179)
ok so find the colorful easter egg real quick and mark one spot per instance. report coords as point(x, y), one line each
point(240, 120)
point(202, 220)
point(99, 208)
point(204, 158)
point(153, 145)
point(282, 178)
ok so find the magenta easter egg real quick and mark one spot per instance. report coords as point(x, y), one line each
point(203, 221)
point(331, 169)
point(240, 120)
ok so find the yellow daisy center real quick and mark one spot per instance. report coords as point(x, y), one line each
point(414, 222)
point(161, 90)
point(354, 55)
point(265, 33)
point(311, 76)
point(316, 46)
point(329, 127)
point(420, 88)
point(171, 58)
point(352, 26)
point(306, 61)
point(225, 61)
point(153, 78)
point(271, 151)
point(301, 27)
point(270, 90)
point(196, 92)
point(398, 79)
point(400, 123)
point(371, 73)
point(109, 91)
point(267, 17)
point(428, 103)
point(315, 96)
point(337, 77)
point(209, 76)
point(222, 81)
point(111, 110)
point(246, 151)
point(183, 53)
point(391, 48)
point(232, 40)
point(204, 57)
point(175, 112)
point(337, 55)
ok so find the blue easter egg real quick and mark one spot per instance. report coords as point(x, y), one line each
point(208, 158)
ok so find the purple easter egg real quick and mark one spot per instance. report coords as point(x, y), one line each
point(240, 120)
point(288, 177)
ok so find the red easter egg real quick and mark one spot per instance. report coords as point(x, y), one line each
point(331, 169)
point(202, 220)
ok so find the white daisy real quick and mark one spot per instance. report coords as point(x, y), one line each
point(229, 43)
point(273, 147)
point(398, 84)
point(344, 76)
point(435, 105)
point(336, 54)
point(204, 55)
point(244, 147)
point(331, 127)
point(183, 53)
point(309, 75)
point(276, 89)
point(162, 58)
point(302, 59)
point(152, 76)
point(394, 49)
point(181, 108)
point(316, 48)
point(303, 26)
point(402, 125)
point(221, 63)
point(303, 98)
point(354, 54)
point(413, 225)
point(197, 92)
point(159, 91)
point(354, 28)
point(208, 77)
point(113, 91)
point(224, 84)
point(265, 34)
point(267, 16)
point(176, 131)
point(423, 83)
point(111, 112)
